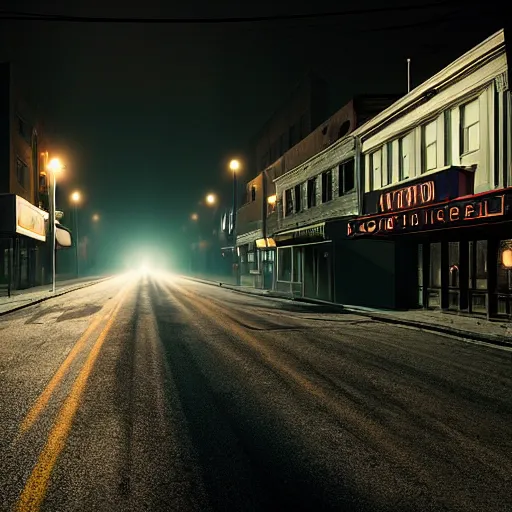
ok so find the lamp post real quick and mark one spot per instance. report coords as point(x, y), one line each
point(54, 166)
point(234, 165)
point(95, 218)
point(75, 197)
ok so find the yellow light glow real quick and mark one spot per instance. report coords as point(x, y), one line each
point(75, 197)
point(506, 257)
point(272, 199)
point(234, 165)
point(55, 165)
point(210, 198)
point(95, 217)
point(194, 216)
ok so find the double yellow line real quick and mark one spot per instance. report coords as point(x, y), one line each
point(35, 489)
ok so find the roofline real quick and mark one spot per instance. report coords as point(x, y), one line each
point(494, 43)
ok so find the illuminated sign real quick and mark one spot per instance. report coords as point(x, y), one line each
point(408, 197)
point(453, 213)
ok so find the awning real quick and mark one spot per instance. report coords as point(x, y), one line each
point(18, 216)
point(265, 243)
point(314, 231)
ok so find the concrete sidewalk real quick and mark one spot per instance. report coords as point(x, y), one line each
point(466, 327)
point(20, 299)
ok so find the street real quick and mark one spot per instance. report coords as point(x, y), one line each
point(152, 393)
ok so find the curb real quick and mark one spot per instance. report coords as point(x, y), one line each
point(423, 326)
point(44, 299)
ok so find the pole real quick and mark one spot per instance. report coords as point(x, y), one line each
point(76, 240)
point(408, 75)
point(52, 224)
point(235, 253)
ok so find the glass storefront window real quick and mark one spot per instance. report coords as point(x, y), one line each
point(297, 265)
point(284, 263)
point(435, 265)
point(480, 282)
point(453, 264)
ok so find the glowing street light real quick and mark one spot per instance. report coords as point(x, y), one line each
point(75, 197)
point(194, 216)
point(234, 165)
point(95, 217)
point(54, 166)
point(211, 199)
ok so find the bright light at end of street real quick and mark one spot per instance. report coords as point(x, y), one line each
point(75, 197)
point(210, 199)
point(194, 216)
point(95, 217)
point(234, 165)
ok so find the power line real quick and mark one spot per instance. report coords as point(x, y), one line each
point(25, 16)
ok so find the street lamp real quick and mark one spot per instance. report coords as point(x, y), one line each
point(75, 197)
point(194, 216)
point(95, 217)
point(211, 199)
point(54, 166)
point(234, 165)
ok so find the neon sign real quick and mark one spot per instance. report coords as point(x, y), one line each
point(431, 217)
point(408, 197)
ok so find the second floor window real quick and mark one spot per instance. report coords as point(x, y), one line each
point(22, 173)
point(430, 146)
point(405, 148)
point(376, 169)
point(326, 186)
point(288, 202)
point(298, 198)
point(311, 192)
point(470, 127)
point(346, 177)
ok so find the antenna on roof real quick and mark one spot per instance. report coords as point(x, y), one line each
point(408, 75)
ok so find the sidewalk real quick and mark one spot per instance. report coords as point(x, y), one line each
point(20, 299)
point(467, 327)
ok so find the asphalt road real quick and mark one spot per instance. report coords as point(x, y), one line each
point(159, 393)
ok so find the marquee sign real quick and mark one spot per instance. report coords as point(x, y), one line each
point(465, 211)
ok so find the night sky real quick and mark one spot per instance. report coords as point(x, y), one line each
point(146, 115)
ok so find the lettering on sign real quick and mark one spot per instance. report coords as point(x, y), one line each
point(408, 197)
point(458, 213)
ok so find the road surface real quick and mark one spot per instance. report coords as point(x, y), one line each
point(160, 393)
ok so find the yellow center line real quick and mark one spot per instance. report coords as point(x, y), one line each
point(35, 489)
point(45, 396)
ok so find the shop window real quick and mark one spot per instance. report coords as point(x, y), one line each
point(420, 275)
point(405, 149)
point(311, 192)
point(470, 127)
point(288, 202)
point(326, 186)
point(298, 198)
point(297, 264)
point(434, 293)
point(284, 263)
point(504, 279)
point(430, 146)
point(453, 275)
point(478, 276)
point(346, 177)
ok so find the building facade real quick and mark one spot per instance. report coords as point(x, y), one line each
point(24, 261)
point(437, 191)
point(314, 200)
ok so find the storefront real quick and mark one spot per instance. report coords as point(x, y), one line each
point(305, 262)
point(22, 235)
point(459, 243)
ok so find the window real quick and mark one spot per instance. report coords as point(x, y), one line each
point(22, 173)
point(376, 168)
point(435, 265)
point(405, 149)
point(297, 264)
point(430, 146)
point(288, 202)
point(24, 130)
point(346, 178)
point(470, 127)
point(386, 171)
point(326, 186)
point(298, 198)
point(311, 192)
point(284, 263)
point(253, 193)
